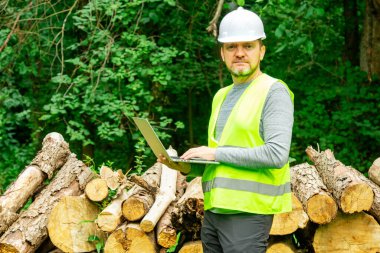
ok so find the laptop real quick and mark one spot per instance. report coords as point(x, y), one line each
point(158, 148)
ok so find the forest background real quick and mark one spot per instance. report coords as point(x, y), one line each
point(83, 68)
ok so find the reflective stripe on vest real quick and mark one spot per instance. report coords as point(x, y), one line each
point(246, 185)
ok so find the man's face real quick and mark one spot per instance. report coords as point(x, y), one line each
point(243, 58)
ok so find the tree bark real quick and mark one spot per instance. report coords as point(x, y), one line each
point(30, 230)
point(135, 207)
point(54, 153)
point(374, 171)
point(357, 232)
point(351, 32)
point(313, 194)
point(287, 223)
point(130, 238)
point(188, 212)
point(72, 222)
point(351, 193)
point(370, 43)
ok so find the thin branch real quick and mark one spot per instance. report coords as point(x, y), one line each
point(212, 28)
point(12, 31)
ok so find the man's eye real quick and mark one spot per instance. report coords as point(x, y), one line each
point(231, 47)
point(249, 46)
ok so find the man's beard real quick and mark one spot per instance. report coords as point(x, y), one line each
point(242, 73)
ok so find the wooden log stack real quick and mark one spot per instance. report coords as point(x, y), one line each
point(335, 208)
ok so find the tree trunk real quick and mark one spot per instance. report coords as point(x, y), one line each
point(370, 43)
point(287, 223)
point(357, 232)
point(192, 247)
point(351, 193)
point(165, 231)
point(54, 153)
point(351, 32)
point(30, 230)
point(165, 196)
point(72, 222)
point(188, 212)
point(313, 194)
point(374, 172)
point(136, 206)
point(130, 238)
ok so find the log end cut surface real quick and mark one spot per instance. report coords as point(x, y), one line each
point(71, 223)
point(357, 232)
point(129, 240)
point(321, 209)
point(287, 223)
point(133, 209)
point(280, 247)
point(192, 247)
point(357, 198)
point(97, 189)
point(167, 237)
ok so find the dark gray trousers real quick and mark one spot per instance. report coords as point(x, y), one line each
point(235, 233)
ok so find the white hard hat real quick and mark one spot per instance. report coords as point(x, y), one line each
point(241, 25)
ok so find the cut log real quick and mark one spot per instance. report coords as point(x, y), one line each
point(30, 230)
point(112, 216)
point(192, 247)
point(357, 232)
point(6, 219)
point(72, 222)
point(374, 171)
point(375, 208)
point(188, 212)
point(114, 179)
point(138, 205)
point(165, 231)
point(163, 198)
point(313, 194)
point(97, 190)
point(54, 153)
point(287, 223)
point(281, 244)
point(130, 238)
point(350, 192)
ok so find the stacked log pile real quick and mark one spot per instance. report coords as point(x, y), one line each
point(335, 208)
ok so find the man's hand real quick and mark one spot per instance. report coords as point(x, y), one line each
point(200, 152)
point(182, 167)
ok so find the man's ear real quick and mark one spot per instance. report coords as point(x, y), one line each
point(221, 53)
point(262, 52)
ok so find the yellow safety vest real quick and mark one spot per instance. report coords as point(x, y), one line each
point(261, 191)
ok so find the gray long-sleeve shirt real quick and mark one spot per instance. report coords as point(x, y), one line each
point(275, 129)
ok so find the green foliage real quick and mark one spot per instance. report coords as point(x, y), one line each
point(173, 248)
point(99, 242)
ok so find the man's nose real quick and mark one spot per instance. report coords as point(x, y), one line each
point(240, 51)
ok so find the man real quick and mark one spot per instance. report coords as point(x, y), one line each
point(249, 133)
